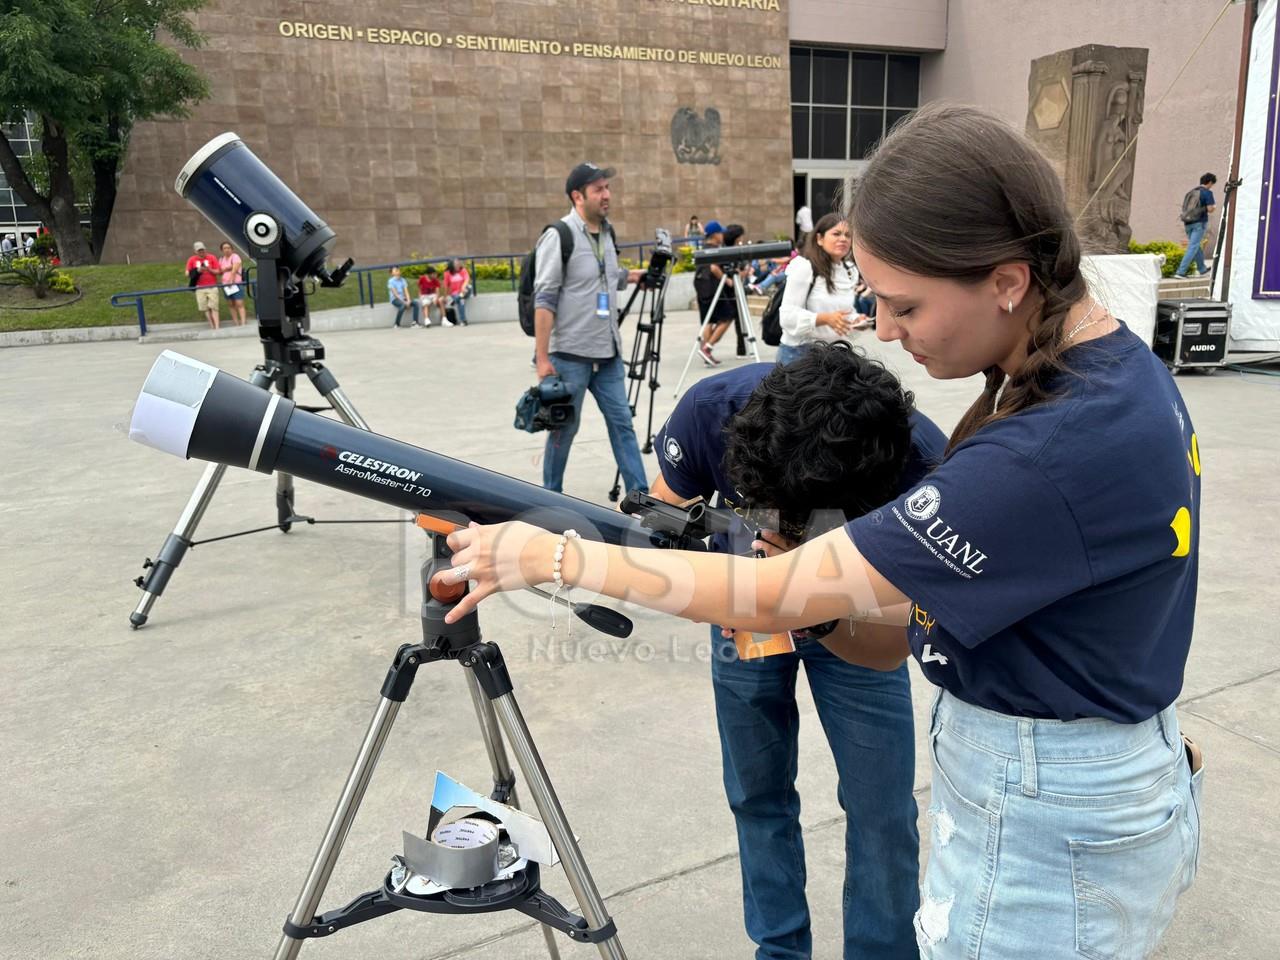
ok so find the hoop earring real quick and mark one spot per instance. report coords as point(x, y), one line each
point(1010, 307)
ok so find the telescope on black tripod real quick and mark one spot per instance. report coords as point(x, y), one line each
point(191, 409)
point(249, 204)
point(646, 346)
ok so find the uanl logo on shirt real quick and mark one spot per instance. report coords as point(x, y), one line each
point(942, 541)
point(671, 450)
point(924, 503)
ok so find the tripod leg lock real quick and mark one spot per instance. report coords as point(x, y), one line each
point(485, 661)
point(367, 906)
point(404, 668)
point(549, 911)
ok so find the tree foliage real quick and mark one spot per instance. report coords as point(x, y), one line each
point(88, 70)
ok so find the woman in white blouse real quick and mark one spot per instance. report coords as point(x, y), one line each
point(818, 302)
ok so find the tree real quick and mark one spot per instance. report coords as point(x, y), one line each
point(88, 70)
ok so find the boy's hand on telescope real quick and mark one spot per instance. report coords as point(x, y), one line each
point(496, 557)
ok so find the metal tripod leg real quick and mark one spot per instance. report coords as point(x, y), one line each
point(179, 541)
point(339, 824)
point(544, 798)
point(744, 314)
point(491, 733)
point(697, 343)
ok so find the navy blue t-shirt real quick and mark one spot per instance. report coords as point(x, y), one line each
point(691, 445)
point(1051, 558)
point(1206, 201)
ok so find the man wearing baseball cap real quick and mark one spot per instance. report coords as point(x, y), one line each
point(575, 324)
point(202, 273)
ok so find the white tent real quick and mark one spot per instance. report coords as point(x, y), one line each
point(1255, 318)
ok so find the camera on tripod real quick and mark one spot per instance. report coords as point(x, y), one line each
point(548, 406)
point(659, 260)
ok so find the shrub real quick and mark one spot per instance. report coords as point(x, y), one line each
point(62, 282)
point(44, 246)
point(1172, 253)
point(41, 275)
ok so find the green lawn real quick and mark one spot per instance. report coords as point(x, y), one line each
point(98, 284)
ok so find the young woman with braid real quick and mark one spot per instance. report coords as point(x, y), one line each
point(1045, 570)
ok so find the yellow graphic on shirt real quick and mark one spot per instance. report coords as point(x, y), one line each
point(1181, 525)
point(1181, 522)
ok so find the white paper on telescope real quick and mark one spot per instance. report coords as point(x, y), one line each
point(169, 403)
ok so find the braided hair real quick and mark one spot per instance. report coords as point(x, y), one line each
point(953, 192)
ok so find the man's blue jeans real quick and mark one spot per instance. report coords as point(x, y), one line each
point(1195, 235)
point(866, 715)
point(606, 380)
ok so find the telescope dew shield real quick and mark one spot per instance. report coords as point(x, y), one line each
point(227, 182)
point(190, 409)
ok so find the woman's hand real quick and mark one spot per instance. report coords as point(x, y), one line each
point(838, 320)
point(497, 557)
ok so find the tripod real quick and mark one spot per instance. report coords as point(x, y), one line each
point(744, 321)
point(288, 350)
point(499, 716)
point(646, 352)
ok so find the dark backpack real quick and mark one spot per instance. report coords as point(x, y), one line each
point(771, 319)
point(1192, 208)
point(529, 269)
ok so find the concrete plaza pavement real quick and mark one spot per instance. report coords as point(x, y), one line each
point(165, 789)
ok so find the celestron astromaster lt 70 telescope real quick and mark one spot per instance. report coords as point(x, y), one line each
point(191, 409)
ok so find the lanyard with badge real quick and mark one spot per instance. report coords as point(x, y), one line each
point(603, 311)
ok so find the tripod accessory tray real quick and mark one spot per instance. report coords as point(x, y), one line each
point(521, 891)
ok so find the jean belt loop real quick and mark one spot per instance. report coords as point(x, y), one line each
point(1168, 728)
point(1027, 756)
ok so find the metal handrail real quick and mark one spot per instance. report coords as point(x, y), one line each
point(136, 298)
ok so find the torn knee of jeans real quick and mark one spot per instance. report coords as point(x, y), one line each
point(932, 922)
point(944, 824)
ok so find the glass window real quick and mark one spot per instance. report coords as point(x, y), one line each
point(903, 86)
point(800, 132)
point(893, 116)
point(868, 126)
point(831, 77)
point(799, 75)
point(830, 133)
point(844, 101)
point(868, 80)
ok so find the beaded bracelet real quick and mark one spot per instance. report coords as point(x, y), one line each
point(558, 577)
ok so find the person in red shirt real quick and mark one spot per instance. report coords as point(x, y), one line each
point(431, 295)
point(207, 271)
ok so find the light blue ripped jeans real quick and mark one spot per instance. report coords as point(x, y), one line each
point(1054, 840)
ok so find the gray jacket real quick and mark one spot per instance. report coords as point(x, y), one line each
point(571, 293)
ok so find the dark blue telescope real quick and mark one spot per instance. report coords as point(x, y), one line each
point(226, 182)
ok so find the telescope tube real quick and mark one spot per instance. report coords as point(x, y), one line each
point(193, 410)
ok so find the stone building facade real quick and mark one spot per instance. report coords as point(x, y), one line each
point(451, 126)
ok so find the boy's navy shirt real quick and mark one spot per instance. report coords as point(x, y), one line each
point(691, 446)
point(1206, 201)
point(1051, 558)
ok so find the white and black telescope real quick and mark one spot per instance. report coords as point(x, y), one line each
point(193, 410)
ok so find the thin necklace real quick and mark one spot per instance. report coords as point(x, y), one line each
point(1084, 323)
